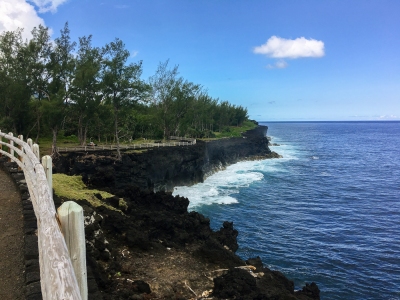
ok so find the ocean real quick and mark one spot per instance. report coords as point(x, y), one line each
point(328, 211)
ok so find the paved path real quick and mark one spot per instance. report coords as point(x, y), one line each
point(11, 241)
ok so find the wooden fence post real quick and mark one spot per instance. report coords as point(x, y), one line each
point(10, 150)
point(48, 169)
point(72, 225)
point(35, 150)
point(30, 143)
point(57, 275)
point(21, 158)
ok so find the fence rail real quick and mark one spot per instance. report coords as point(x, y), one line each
point(58, 280)
point(192, 141)
point(57, 276)
point(182, 142)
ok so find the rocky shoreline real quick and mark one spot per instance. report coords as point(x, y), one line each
point(161, 169)
point(149, 246)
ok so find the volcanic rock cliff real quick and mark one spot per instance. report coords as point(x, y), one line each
point(160, 169)
point(151, 247)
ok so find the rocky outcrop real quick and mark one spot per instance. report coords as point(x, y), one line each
point(160, 169)
point(154, 248)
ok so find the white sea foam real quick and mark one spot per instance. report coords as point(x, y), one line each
point(221, 187)
point(288, 152)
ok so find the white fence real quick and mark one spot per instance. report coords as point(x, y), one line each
point(190, 140)
point(181, 142)
point(58, 280)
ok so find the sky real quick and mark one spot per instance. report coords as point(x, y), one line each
point(286, 60)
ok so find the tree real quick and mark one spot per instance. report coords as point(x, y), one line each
point(86, 93)
point(45, 86)
point(61, 68)
point(38, 61)
point(122, 85)
point(171, 96)
point(184, 96)
point(14, 92)
point(200, 117)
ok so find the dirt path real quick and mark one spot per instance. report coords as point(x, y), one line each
point(11, 241)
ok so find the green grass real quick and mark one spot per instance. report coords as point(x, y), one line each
point(73, 188)
point(234, 131)
point(63, 141)
point(72, 141)
point(136, 151)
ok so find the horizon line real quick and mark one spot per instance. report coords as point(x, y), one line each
point(325, 121)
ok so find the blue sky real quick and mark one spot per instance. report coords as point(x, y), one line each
point(283, 60)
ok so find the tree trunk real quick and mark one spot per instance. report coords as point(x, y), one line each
point(116, 133)
point(85, 134)
point(54, 152)
point(29, 132)
point(80, 131)
point(38, 130)
point(165, 130)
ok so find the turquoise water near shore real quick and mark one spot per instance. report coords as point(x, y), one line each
point(328, 211)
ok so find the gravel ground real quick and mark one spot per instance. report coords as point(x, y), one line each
point(11, 241)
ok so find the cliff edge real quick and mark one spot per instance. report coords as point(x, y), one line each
point(161, 169)
point(144, 244)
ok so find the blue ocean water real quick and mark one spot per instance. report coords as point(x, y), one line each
point(328, 211)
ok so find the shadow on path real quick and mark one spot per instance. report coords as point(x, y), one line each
point(11, 241)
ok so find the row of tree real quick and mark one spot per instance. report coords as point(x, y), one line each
point(47, 86)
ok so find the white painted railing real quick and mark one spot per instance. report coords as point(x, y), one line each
point(191, 141)
point(57, 277)
point(185, 142)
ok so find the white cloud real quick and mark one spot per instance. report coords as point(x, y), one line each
point(134, 53)
point(280, 64)
point(48, 5)
point(277, 47)
point(21, 14)
point(18, 14)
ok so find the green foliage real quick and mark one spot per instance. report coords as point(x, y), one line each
point(122, 86)
point(234, 131)
point(14, 91)
point(72, 187)
point(86, 86)
point(55, 93)
point(171, 99)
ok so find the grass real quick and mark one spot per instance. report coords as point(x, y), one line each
point(73, 188)
point(72, 141)
point(234, 131)
point(136, 151)
point(46, 142)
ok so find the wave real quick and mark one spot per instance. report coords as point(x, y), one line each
point(221, 187)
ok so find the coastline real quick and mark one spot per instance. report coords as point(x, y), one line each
point(161, 169)
point(156, 236)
